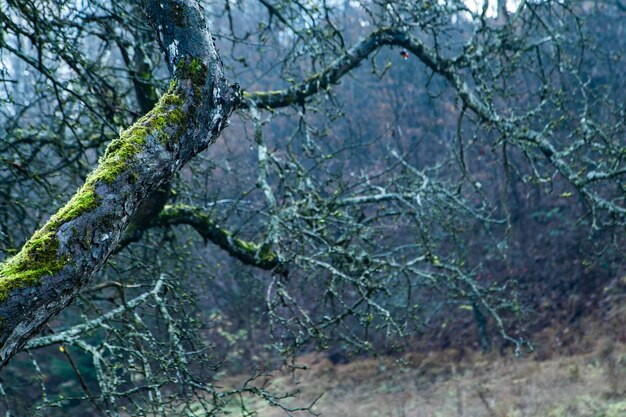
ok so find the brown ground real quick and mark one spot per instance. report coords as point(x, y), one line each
point(578, 370)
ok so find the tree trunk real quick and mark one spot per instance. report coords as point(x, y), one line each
point(60, 258)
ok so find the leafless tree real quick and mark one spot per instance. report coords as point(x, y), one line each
point(382, 161)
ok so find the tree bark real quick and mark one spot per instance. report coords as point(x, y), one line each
point(60, 259)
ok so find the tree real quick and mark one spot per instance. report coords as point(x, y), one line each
point(344, 251)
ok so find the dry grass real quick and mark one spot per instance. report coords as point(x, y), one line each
point(581, 385)
point(558, 381)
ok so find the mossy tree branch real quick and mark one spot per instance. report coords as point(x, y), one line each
point(59, 260)
point(249, 253)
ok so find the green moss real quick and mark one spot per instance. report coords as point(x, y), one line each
point(247, 246)
point(264, 252)
point(194, 70)
point(219, 235)
point(39, 256)
point(122, 151)
point(83, 201)
point(267, 254)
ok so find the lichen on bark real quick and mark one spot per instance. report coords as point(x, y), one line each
point(121, 152)
point(194, 70)
point(247, 251)
point(39, 256)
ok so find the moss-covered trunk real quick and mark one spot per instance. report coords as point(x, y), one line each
point(61, 257)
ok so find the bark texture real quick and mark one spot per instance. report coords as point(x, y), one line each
point(254, 254)
point(59, 260)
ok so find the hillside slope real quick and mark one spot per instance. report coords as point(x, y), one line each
point(577, 370)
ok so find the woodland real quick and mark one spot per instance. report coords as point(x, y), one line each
point(194, 189)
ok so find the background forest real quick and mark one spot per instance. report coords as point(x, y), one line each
point(397, 178)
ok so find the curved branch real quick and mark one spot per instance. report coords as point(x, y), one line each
point(249, 253)
point(449, 69)
point(61, 257)
point(298, 93)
